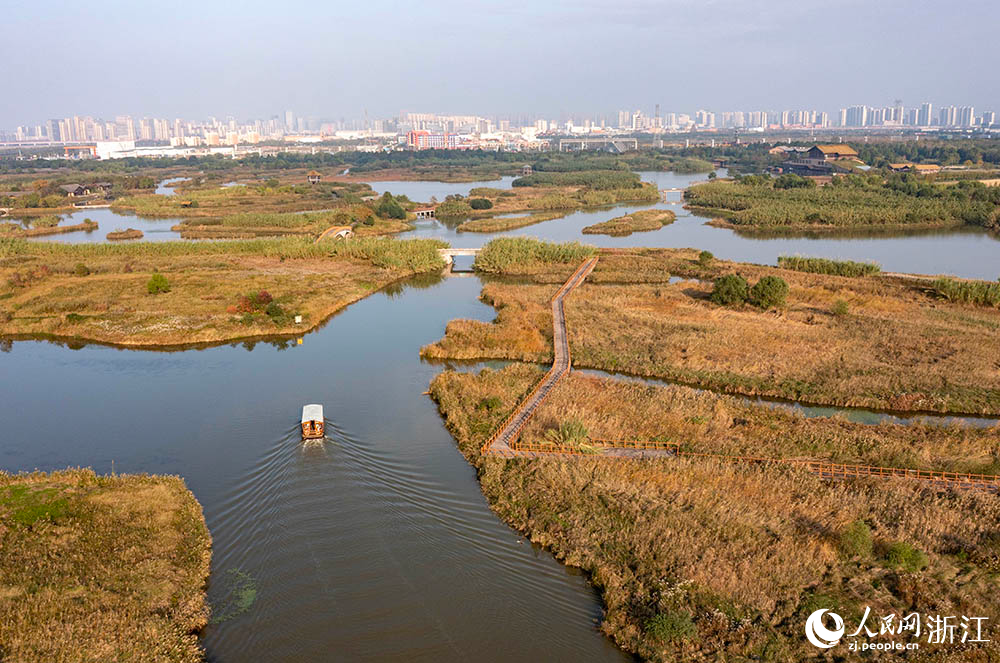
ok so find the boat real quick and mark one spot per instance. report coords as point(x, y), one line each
point(312, 421)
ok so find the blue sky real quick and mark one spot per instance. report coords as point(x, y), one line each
point(336, 59)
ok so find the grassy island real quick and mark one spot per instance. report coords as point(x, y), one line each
point(175, 293)
point(544, 197)
point(641, 221)
point(869, 202)
point(881, 341)
point(109, 568)
point(698, 559)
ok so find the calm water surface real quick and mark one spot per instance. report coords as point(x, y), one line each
point(376, 544)
point(423, 191)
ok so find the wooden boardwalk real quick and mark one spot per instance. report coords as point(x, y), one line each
point(504, 441)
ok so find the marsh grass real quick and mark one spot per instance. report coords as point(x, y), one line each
point(826, 266)
point(101, 568)
point(112, 304)
point(897, 350)
point(524, 254)
point(746, 552)
point(980, 293)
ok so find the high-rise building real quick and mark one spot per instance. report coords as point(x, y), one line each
point(624, 119)
point(925, 115)
point(966, 116)
point(289, 120)
point(989, 119)
point(856, 116)
point(948, 117)
point(637, 121)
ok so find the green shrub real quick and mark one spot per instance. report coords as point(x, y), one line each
point(903, 555)
point(672, 626)
point(826, 266)
point(840, 308)
point(571, 431)
point(705, 258)
point(769, 292)
point(157, 283)
point(490, 403)
point(856, 540)
point(730, 290)
point(81, 269)
point(274, 310)
point(74, 318)
point(480, 203)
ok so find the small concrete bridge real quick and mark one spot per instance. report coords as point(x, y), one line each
point(448, 255)
point(665, 195)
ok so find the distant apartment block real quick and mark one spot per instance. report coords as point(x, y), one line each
point(425, 140)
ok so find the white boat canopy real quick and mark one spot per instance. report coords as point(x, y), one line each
point(312, 412)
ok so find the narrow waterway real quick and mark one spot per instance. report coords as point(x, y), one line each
point(376, 544)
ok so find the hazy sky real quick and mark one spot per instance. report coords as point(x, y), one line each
point(334, 59)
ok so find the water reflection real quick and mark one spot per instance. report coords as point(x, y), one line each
point(856, 415)
point(965, 252)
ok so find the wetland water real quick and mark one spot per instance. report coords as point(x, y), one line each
point(376, 544)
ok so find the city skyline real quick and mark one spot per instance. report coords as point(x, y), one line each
point(230, 130)
point(219, 58)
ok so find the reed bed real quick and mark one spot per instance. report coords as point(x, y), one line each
point(832, 207)
point(980, 293)
point(697, 558)
point(896, 348)
point(826, 266)
point(101, 568)
point(522, 254)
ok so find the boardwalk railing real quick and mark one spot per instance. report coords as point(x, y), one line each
point(504, 440)
point(822, 468)
point(507, 432)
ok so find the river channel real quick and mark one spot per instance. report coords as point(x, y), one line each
point(376, 544)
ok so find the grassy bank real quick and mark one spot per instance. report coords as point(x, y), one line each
point(105, 292)
point(873, 341)
point(641, 221)
point(101, 568)
point(700, 560)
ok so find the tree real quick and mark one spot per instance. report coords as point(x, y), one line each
point(480, 203)
point(388, 208)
